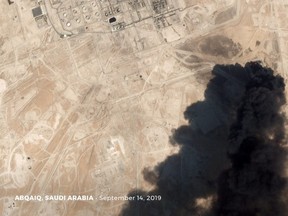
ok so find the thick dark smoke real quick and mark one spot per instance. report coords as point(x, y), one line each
point(230, 152)
point(255, 184)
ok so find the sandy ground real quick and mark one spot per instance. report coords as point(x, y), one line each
point(86, 113)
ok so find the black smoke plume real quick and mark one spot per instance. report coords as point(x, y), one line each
point(231, 152)
point(255, 184)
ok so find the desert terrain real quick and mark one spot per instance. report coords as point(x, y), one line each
point(91, 91)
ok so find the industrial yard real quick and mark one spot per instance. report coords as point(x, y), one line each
point(91, 90)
